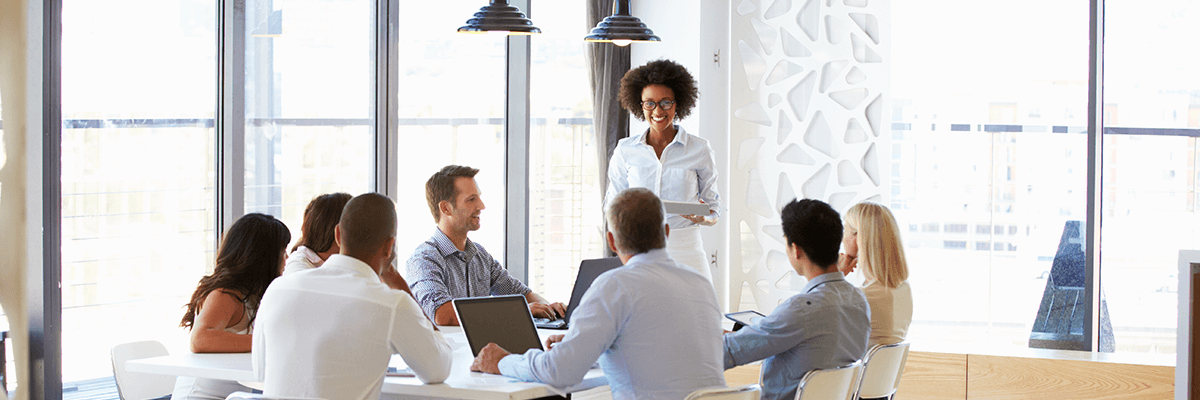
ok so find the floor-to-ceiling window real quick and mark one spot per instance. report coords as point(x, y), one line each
point(138, 101)
point(565, 216)
point(1152, 120)
point(989, 160)
point(451, 102)
point(309, 103)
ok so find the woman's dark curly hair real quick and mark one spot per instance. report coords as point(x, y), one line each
point(659, 72)
point(248, 260)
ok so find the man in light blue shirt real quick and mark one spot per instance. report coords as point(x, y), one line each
point(654, 324)
point(826, 326)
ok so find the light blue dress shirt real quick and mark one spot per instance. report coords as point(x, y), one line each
point(686, 172)
point(438, 272)
point(826, 326)
point(654, 324)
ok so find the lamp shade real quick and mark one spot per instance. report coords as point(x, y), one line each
point(621, 28)
point(499, 17)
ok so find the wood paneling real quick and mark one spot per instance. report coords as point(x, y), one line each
point(993, 377)
point(743, 375)
point(934, 376)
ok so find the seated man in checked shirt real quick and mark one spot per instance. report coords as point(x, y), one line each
point(450, 266)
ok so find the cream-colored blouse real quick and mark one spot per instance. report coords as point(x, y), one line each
point(891, 311)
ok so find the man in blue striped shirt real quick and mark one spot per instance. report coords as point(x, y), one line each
point(450, 266)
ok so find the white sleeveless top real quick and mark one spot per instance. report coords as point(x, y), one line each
point(191, 388)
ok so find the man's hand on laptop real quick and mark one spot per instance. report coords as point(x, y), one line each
point(552, 340)
point(551, 311)
point(488, 360)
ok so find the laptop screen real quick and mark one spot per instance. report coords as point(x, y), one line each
point(589, 270)
point(504, 320)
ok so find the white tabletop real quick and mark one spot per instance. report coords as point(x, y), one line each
point(462, 383)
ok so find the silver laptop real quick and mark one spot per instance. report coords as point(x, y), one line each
point(504, 320)
point(589, 270)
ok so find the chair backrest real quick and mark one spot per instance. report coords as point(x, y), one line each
point(136, 385)
point(259, 396)
point(881, 375)
point(830, 384)
point(748, 392)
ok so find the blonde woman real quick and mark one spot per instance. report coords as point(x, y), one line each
point(872, 240)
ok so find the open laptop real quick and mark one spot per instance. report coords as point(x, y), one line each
point(504, 320)
point(588, 271)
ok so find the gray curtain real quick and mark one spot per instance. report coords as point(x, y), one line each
point(608, 64)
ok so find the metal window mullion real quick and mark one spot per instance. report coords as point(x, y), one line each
point(44, 293)
point(516, 160)
point(387, 70)
point(1092, 272)
point(231, 115)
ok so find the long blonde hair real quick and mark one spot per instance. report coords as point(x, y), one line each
point(880, 251)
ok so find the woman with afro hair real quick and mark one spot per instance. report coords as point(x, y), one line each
point(674, 164)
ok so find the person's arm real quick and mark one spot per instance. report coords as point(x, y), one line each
point(707, 175)
point(595, 325)
point(424, 350)
point(774, 334)
point(258, 351)
point(540, 307)
point(219, 310)
point(428, 287)
point(617, 178)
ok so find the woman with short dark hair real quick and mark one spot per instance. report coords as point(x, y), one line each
point(675, 165)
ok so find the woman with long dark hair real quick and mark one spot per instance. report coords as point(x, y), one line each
point(316, 242)
point(220, 314)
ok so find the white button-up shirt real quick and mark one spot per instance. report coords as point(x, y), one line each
point(330, 332)
point(687, 172)
point(654, 325)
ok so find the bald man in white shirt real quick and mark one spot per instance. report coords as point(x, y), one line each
point(329, 332)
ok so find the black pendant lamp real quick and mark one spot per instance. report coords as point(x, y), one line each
point(499, 17)
point(620, 28)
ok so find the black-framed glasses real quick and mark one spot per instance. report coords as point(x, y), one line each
point(666, 105)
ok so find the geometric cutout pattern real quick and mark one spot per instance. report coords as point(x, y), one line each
point(848, 174)
point(755, 113)
point(785, 127)
point(823, 98)
point(783, 69)
point(778, 9)
point(747, 150)
point(753, 64)
point(766, 35)
point(854, 132)
point(800, 96)
point(793, 154)
point(815, 187)
point(792, 47)
point(849, 99)
point(786, 193)
point(855, 76)
point(830, 72)
point(868, 23)
point(819, 136)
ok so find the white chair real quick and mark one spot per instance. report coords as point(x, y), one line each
point(830, 384)
point(259, 396)
point(881, 375)
point(748, 392)
point(135, 385)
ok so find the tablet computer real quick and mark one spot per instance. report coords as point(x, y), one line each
point(685, 208)
point(747, 318)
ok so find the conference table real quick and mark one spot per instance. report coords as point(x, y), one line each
point(462, 383)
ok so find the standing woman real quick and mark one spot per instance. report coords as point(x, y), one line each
point(872, 240)
point(675, 165)
point(316, 242)
point(221, 311)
